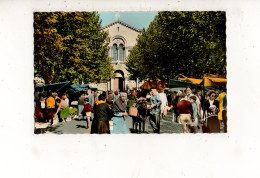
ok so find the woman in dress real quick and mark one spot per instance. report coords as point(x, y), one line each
point(211, 113)
point(163, 110)
point(119, 111)
point(102, 115)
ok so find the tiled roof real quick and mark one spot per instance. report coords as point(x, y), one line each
point(122, 23)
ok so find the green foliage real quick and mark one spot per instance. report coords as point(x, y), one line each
point(189, 43)
point(73, 111)
point(70, 46)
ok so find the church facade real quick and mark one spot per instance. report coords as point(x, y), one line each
point(123, 38)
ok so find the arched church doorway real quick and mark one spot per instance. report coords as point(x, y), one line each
point(119, 81)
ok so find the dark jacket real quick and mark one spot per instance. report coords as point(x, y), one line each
point(102, 115)
point(207, 105)
point(184, 107)
point(102, 112)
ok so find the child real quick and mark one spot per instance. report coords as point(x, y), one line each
point(194, 122)
point(87, 110)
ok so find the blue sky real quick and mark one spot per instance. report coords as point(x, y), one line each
point(138, 20)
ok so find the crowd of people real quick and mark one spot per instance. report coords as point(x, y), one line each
point(106, 112)
point(194, 111)
point(50, 107)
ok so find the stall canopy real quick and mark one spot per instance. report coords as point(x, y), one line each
point(153, 84)
point(81, 87)
point(54, 87)
point(192, 80)
point(180, 84)
point(206, 81)
point(63, 87)
point(210, 81)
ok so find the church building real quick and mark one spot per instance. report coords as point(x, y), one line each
point(123, 38)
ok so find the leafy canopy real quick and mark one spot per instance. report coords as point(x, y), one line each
point(70, 46)
point(188, 43)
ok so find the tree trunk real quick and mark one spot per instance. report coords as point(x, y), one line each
point(48, 77)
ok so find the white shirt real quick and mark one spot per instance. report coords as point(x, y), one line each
point(67, 101)
point(163, 98)
point(211, 102)
point(42, 104)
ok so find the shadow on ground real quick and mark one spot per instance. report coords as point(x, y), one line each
point(52, 129)
point(81, 126)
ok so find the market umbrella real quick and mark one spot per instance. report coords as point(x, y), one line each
point(153, 84)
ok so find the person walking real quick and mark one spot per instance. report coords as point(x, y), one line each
point(65, 97)
point(102, 115)
point(211, 113)
point(87, 110)
point(224, 113)
point(194, 122)
point(63, 110)
point(116, 96)
point(91, 101)
point(220, 100)
point(95, 96)
point(187, 97)
point(119, 111)
point(174, 101)
point(155, 110)
point(185, 113)
point(81, 103)
point(40, 109)
point(110, 98)
point(50, 102)
point(163, 98)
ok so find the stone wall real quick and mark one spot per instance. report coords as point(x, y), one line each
point(100, 86)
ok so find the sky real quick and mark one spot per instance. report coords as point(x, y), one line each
point(138, 20)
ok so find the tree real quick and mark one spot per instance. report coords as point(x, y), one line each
point(70, 46)
point(190, 43)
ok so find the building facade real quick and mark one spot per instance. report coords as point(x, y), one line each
point(123, 38)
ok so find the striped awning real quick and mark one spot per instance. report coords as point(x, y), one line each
point(153, 84)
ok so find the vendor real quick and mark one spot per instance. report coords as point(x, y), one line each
point(63, 109)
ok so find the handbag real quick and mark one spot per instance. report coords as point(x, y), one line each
point(133, 111)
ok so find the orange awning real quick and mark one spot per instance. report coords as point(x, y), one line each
point(210, 81)
point(192, 80)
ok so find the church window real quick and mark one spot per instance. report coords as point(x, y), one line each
point(114, 52)
point(121, 53)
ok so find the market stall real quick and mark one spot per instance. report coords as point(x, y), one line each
point(158, 84)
